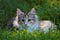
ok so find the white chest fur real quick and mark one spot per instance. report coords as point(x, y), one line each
point(33, 27)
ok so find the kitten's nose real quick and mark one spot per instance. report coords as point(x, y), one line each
point(25, 24)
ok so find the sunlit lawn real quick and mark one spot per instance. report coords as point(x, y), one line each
point(24, 35)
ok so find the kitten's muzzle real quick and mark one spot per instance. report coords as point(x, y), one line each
point(25, 24)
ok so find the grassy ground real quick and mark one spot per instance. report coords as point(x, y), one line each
point(23, 35)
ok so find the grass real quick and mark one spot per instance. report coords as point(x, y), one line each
point(24, 35)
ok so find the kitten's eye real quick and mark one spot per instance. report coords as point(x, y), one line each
point(29, 19)
point(23, 20)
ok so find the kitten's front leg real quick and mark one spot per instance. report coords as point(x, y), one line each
point(15, 24)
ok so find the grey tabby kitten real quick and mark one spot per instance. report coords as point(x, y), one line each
point(31, 21)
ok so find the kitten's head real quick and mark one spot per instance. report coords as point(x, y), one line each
point(27, 19)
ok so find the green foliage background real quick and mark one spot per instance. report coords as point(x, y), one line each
point(46, 10)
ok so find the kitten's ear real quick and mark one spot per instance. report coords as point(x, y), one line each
point(32, 11)
point(19, 12)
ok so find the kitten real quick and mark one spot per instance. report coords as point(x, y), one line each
point(31, 21)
